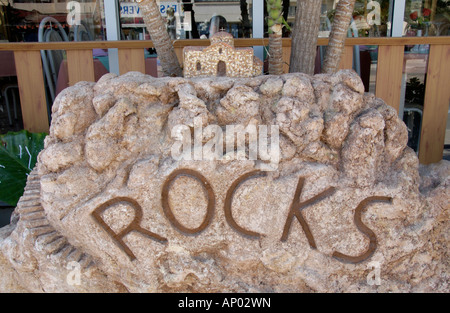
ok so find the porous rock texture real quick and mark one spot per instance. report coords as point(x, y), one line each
point(109, 151)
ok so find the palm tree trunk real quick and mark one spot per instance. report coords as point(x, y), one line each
point(160, 37)
point(275, 51)
point(274, 23)
point(338, 34)
point(304, 36)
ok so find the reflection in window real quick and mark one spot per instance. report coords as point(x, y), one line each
point(371, 18)
point(427, 18)
point(186, 20)
point(81, 20)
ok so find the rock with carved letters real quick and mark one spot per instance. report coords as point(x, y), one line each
point(289, 183)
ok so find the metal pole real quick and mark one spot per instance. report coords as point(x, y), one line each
point(397, 20)
point(397, 31)
point(258, 25)
point(112, 32)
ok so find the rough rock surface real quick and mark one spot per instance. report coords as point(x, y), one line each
point(108, 209)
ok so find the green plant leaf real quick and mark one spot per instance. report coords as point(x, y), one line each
point(18, 156)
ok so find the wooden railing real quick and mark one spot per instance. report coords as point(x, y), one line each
point(131, 58)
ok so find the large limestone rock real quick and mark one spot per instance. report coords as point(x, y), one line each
point(345, 208)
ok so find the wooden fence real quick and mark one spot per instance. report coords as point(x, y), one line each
point(131, 58)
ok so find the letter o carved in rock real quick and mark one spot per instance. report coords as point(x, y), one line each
point(168, 211)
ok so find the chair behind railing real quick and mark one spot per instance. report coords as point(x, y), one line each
point(82, 32)
point(51, 59)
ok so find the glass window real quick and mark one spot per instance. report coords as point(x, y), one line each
point(421, 18)
point(80, 20)
point(232, 16)
point(186, 19)
point(427, 18)
point(371, 18)
point(131, 22)
point(413, 91)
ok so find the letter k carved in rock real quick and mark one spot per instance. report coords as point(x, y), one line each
point(296, 210)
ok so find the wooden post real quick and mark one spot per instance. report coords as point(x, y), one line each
point(131, 60)
point(179, 54)
point(80, 66)
point(30, 80)
point(346, 58)
point(389, 74)
point(437, 98)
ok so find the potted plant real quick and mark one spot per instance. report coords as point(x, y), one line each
point(420, 22)
point(18, 156)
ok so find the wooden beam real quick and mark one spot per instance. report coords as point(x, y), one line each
point(179, 54)
point(346, 58)
point(77, 45)
point(131, 60)
point(239, 42)
point(389, 74)
point(30, 80)
point(80, 66)
point(436, 104)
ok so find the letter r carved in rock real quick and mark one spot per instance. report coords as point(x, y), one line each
point(135, 225)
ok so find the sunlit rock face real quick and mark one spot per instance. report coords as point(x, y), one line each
point(145, 186)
